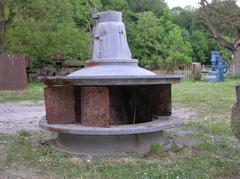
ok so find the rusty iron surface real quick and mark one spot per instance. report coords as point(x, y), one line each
point(139, 104)
point(162, 100)
point(104, 106)
point(12, 72)
point(118, 114)
point(60, 103)
point(77, 94)
point(95, 106)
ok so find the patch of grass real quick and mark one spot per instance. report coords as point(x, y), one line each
point(210, 127)
point(4, 137)
point(34, 92)
point(221, 148)
point(216, 139)
point(206, 98)
point(156, 150)
point(24, 150)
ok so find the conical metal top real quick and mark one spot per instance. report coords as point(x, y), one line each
point(111, 54)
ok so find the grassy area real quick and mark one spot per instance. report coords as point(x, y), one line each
point(34, 92)
point(213, 98)
point(218, 155)
point(211, 159)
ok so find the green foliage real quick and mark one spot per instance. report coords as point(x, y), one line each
point(82, 12)
point(188, 18)
point(158, 7)
point(225, 15)
point(200, 46)
point(120, 5)
point(198, 35)
point(156, 150)
point(202, 96)
point(159, 40)
point(42, 28)
point(179, 50)
point(156, 34)
point(34, 92)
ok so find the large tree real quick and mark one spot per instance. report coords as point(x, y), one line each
point(42, 28)
point(223, 20)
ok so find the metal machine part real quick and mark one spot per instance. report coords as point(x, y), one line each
point(111, 104)
point(219, 67)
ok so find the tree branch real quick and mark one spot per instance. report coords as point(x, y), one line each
point(205, 14)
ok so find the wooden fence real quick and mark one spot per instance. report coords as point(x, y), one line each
point(173, 69)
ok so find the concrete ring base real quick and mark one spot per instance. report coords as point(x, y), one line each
point(161, 124)
point(115, 141)
point(115, 145)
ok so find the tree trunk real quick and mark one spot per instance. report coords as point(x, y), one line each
point(2, 25)
point(236, 62)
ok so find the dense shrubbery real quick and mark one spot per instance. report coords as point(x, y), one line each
point(156, 34)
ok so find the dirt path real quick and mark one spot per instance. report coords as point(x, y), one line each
point(20, 116)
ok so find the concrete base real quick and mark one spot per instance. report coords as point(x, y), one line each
point(114, 145)
point(119, 140)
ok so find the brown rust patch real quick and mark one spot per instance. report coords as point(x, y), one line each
point(13, 72)
point(95, 106)
point(60, 103)
point(136, 141)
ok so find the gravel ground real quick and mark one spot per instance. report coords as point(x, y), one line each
point(19, 116)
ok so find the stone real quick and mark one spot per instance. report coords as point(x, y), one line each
point(196, 71)
point(95, 106)
point(60, 103)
